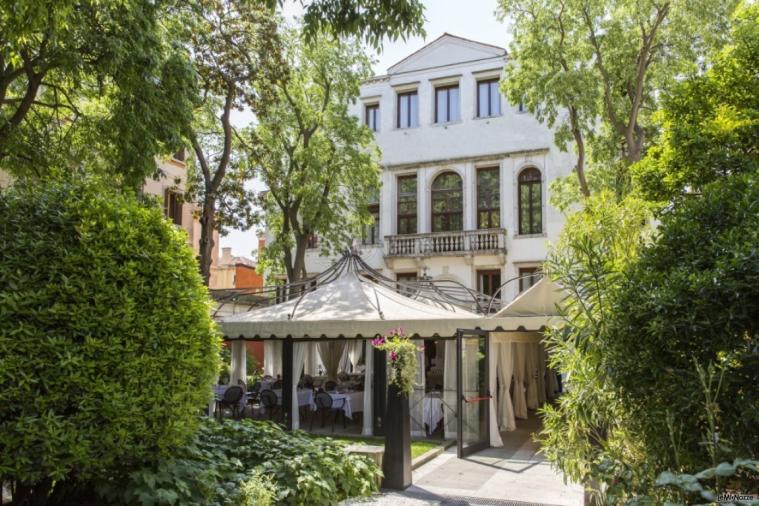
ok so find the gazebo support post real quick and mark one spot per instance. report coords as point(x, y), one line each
point(287, 383)
point(380, 391)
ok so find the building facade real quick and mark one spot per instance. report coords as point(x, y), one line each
point(465, 174)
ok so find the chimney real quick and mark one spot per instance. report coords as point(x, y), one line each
point(226, 256)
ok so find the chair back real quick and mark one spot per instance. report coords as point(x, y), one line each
point(257, 387)
point(330, 386)
point(233, 394)
point(268, 398)
point(323, 400)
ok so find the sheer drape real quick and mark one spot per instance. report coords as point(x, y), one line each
point(330, 354)
point(299, 357)
point(531, 376)
point(495, 435)
point(506, 419)
point(273, 358)
point(518, 393)
point(541, 356)
point(239, 362)
point(416, 399)
point(449, 389)
point(354, 353)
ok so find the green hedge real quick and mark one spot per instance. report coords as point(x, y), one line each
point(248, 462)
point(107, 349)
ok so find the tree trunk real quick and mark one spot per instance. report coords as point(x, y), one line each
point(207, 226)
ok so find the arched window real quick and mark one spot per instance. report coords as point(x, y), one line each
point(530, 202)
point(447, 203)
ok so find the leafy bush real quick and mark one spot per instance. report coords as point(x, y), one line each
point(234, 462)
point(107, 349)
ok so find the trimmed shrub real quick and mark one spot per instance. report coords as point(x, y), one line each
point(248, 462)
point(107, 348)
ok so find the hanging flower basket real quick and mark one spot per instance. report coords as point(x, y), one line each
point(402, 355)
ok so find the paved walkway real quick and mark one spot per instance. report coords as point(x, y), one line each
point(514, 475)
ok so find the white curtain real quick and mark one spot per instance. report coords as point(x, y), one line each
point(495, 435)
point(416, 399)
point(330, 354)
point(368, 429)
point(506, 420)
point(345, 363)
point(311, 364)
point(518, 394)
point(531, 375)
point(273, 358)
point(299, 358)
point(541, 355)
point(239, 362)
point(449, 389)
point(354, 353)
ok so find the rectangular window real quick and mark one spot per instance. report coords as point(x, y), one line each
point(406, 277)
point(172, 206)
point(372, 231)
point(408, 110)
point(407, 204)
point(488, 98)
point(372, 117)
point(488, 197)
point(528, 276)
point(312, 242)
point(447, 104)
point(488, 281)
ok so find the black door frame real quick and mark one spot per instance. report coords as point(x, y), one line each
point(462, 452)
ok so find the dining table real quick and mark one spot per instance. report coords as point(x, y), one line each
point(353, 402)
point(305, 396)
point(433, 410)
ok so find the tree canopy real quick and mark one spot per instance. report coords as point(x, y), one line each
point(87, 80)
point(319, 163)
point(593, 70)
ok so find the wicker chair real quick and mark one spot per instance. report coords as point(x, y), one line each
point(326, 405)
point(231, 399)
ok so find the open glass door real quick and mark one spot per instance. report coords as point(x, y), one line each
point(473, 393)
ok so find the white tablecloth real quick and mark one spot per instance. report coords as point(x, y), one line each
point(305, 396)
point(354, 402)
point(433, 411)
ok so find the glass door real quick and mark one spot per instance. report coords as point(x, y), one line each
point(473, 393)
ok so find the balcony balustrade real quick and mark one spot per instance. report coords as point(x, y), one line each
point(462, 242)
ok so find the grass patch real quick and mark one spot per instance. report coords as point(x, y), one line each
point(418, 447)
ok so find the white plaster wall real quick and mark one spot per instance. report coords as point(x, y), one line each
point(512, 141)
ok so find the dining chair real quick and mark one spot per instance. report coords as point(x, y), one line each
point(326, 405)
point(231, 399)
point(270, 402)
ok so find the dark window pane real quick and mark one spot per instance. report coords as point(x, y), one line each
point(454, 108)
point(482, 100)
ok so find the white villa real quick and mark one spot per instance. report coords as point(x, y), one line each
point(466, 175)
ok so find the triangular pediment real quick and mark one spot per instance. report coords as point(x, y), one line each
point(446, 50)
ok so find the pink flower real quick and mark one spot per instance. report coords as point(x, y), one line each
point(379, 341)
point(393, 356)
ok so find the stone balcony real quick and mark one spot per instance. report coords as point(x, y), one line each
point(459, 243)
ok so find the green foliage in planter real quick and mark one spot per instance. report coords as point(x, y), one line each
point(107, 349)
point(234, 462)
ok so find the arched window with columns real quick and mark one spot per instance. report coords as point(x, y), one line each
point(530, 200)
point(447, 203)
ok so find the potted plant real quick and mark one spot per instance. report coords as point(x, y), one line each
point(401, 354)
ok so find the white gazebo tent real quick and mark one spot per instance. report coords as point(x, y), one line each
point(519, 355)
point(347, 308)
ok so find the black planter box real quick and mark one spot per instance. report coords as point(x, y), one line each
point(396, 464)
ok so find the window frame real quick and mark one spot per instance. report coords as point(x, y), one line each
point(490, 273)
point(373, 238)
point(447, 88)
point(491, 211)
point(534, 208)
point(531, 271)
point(172, 206)
point(406, 216)
point(446, 214)
point(489, 81)
point(372, 107)
point(399, 96)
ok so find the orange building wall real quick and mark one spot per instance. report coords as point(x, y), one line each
point(247, 277)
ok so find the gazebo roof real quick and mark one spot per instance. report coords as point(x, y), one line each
point(351, 306)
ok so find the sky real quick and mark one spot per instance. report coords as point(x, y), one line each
point(472, 19)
